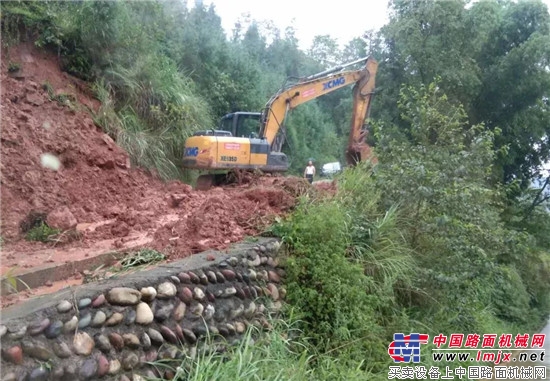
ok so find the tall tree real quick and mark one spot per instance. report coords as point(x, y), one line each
point(492, 57)
point(324, 49)
point(515, 89)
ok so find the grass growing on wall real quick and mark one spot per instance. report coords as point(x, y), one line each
point(277, 355)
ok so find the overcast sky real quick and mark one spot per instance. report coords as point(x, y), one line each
point(342, 19)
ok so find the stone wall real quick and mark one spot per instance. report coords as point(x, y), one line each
point(109, 330)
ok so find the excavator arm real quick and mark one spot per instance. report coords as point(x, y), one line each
point(321, 84)
point(358, 149)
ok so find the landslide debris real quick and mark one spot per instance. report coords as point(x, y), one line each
point(95, 185)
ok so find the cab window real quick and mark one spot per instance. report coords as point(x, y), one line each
point(227, 123)
point(248, 126)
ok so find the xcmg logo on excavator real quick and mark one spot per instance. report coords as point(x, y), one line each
point(334, 83)
point(191, 151)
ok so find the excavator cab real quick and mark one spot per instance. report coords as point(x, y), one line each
point(241, 124)
point(235, 145)
point(237, 124)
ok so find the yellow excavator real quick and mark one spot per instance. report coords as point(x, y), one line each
point(253, 141)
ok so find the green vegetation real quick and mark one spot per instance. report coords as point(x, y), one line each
point(423, 233)
point(141, 257)
point(132, 261)
point(274, 356)
point(42, 233)
point(492, 58)
point(13, 67)
point(448, 233)
point(12, 280)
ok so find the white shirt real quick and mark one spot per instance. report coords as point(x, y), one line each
point(310, 169)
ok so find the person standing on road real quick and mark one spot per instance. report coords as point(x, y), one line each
point(309, 172)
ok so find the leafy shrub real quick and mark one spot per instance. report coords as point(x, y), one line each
point(326, 289)
point(41, 233)
point(13, 67)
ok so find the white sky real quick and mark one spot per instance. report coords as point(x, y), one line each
point(343, 19)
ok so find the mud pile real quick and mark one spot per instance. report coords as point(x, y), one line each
point(219, 217)
point(108, 198)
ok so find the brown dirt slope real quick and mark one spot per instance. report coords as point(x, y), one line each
point(110, 199)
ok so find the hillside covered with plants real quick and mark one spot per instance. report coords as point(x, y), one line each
point(448, 233)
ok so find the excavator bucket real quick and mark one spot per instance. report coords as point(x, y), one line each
point(359, 152)
point(207, 181)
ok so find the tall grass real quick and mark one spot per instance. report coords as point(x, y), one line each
point(154, 139)
point(377, 238)
point(277, 355)
point(148, 105)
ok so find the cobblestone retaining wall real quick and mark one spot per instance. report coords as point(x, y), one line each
point(109, 330)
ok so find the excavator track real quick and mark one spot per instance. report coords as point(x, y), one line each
point(205, 182)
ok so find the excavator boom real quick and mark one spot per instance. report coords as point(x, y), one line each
point(318, 85)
